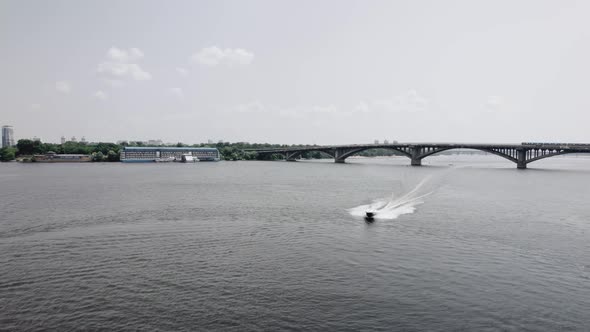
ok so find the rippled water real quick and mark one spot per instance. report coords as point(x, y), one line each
point(273, 246)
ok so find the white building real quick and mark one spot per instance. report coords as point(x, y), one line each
point(7, 136)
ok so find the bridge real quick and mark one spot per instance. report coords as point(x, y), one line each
point(521, 154)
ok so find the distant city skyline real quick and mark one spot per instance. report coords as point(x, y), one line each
point(290, 72)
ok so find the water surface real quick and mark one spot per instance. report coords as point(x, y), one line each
point(274, 246)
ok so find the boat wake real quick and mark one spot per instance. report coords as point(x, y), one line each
point(392, 208)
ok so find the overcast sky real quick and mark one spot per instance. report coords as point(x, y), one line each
point(324, 72)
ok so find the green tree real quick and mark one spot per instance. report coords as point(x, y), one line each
point(97, 156)
point(105, 148)
point(7, 154)
point(112, 156)
point(49, 147)
point(25, 147)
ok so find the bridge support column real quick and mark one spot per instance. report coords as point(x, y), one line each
point(291, 156)
point(337, 156)
point(416, 160)
point(521, 159)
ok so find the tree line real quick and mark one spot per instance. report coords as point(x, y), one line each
point(27, 149)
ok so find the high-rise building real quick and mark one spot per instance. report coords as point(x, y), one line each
point(63, 140)
point(7, 136)
point(83, 140)
point(36, 139)
point(73, 139)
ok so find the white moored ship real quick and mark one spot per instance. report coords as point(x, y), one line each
point(188, 158)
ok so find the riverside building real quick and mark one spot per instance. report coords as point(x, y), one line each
point(7, 136)
point(130, 154)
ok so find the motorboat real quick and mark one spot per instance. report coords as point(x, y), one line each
point(370, 216)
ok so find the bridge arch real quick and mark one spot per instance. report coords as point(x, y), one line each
point(347, 153)
point(268, 155)
point(512, 158)
point(292, 155)
point(553, 154)
point(326, 151)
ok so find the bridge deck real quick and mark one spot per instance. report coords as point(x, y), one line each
point(567, 146)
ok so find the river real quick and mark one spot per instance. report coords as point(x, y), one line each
point(462, 243)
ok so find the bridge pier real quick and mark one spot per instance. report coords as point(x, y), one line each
point(338, 156)
point(415, 159)
point(521, 159)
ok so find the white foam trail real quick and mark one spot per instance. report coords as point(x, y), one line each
point(391, 208)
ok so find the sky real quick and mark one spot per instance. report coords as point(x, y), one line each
point(296, 72)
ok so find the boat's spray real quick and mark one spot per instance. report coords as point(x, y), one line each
point(392, 207)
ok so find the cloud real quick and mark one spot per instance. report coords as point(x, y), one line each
point(410, 101)
point(182, 71)
point(298, 111)
point(291, 112)
point(362, 107)
point(121, 64)
point(329, 109)
point(313, 111)
point(494, 103)
point(130, 70)
point(119, 55)
point(252, 107)
point(213, 56)
point(63, 86)
point(100, 95)
point(176, 92)
point(114, 83)
point(35, 106)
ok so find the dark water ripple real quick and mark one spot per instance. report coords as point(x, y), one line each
point(270, 246)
